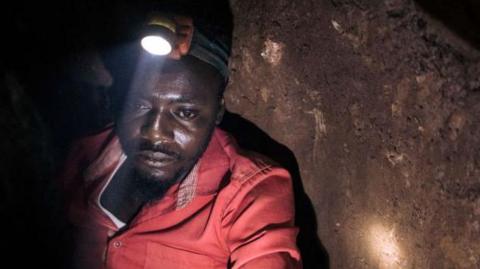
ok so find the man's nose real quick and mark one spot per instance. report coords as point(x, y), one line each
point(157, 128)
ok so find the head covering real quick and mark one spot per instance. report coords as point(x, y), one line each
point(213, 25)
point(210, 51)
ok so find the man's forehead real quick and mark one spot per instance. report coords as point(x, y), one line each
point(167, 80)
point(188, 76)
point(182, 80)
point(177, 86)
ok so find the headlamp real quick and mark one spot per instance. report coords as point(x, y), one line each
point(159, 36)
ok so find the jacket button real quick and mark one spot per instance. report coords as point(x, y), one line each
point(117, 244)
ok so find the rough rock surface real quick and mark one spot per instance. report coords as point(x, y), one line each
point(379, 102)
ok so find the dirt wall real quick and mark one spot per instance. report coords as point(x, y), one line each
point(379, 102)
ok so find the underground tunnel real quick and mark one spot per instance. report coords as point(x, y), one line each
point(372, 106)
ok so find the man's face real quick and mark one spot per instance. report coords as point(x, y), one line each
point(168, 119)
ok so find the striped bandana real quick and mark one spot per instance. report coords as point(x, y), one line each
point(210, 51)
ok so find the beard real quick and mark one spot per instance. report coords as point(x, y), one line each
point(151, 188)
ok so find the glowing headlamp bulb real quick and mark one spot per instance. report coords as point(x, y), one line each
point(159, 35)
point(156, 45)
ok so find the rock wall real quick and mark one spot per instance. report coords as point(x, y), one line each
point(379, 102)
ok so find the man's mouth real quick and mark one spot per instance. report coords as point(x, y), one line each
point(155, 159)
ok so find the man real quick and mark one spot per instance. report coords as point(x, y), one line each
point(165, 188)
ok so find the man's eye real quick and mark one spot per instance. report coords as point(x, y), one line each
point(139, 106)
point(186, 114)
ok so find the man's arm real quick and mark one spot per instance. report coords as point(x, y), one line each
point(81, 154)
point(259, 223)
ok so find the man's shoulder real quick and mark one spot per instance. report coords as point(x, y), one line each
point(256, 184)
point(84, 151)
point(253, 165)
point(91, 145)
point(248, 167)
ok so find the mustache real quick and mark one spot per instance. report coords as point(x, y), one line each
point(145, 145)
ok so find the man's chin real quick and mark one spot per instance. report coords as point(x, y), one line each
point(153, 184)
point(153, 180)
point(159, 176)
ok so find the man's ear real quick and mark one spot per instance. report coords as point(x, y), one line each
point(221, 111)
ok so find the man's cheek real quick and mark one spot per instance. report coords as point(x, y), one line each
point(129, 143)
point(130, 130)
point(182, 137)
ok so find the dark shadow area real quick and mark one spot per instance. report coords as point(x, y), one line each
point(250, 137)
point(33, 222)
point(462, 17)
